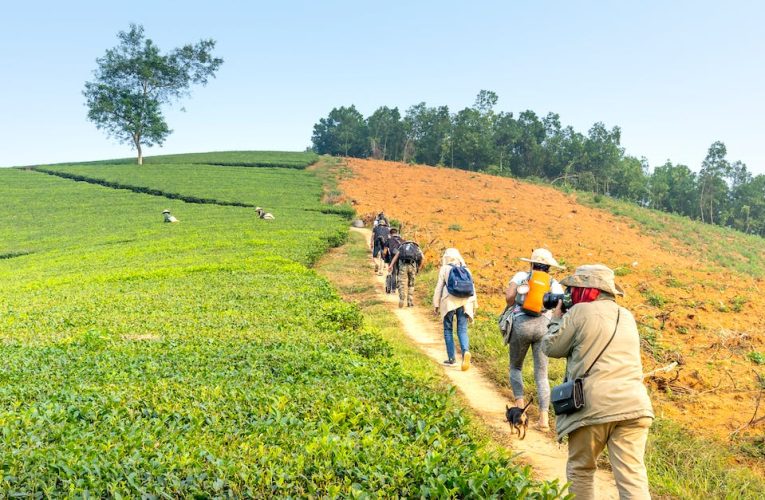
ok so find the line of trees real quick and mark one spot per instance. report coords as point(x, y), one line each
point(479, 138)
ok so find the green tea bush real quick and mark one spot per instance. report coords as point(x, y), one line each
point(282, 159)
point(204, 358)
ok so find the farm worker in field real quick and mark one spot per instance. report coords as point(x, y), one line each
point(380, 235)
point(262, 214)
point(529, 326)
point(168, 216)
point(617, 411)
point(408, 261)
point(453, 306)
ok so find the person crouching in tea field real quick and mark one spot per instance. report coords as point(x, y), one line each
point(168, 216)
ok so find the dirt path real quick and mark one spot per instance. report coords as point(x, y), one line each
point(538, 450)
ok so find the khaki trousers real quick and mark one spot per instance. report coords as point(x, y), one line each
point(406, 276)
point(626, 447)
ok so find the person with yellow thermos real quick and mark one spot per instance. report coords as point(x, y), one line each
point(529, 324)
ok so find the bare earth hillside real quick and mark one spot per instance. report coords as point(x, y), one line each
point(689, 309)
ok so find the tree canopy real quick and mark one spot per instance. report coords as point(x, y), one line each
point(134, 80)
point(483, 138)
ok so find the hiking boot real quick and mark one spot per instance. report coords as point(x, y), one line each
point(466, 361)
point(450, 362)
point(410, 303)
point(400, 304)
point(377, 267)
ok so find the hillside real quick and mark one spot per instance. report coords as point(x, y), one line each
point(206, 358)
point(693, 304)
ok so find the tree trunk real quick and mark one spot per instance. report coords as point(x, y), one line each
point(137, 141)
point(406, 150)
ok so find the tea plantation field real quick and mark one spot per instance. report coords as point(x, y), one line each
point(206, 358)
point(225, 158)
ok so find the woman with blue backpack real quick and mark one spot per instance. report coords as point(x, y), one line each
point(454, 297)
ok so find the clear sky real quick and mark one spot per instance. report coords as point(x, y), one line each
point(674, 75)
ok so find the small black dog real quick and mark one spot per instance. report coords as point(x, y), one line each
point(517, 418)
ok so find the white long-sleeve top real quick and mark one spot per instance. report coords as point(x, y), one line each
point(441, 297)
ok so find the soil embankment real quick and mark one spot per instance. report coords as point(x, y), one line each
point(690, 310)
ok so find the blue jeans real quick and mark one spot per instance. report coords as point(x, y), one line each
point(462, 322)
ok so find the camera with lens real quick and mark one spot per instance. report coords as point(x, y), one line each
point(550, 300)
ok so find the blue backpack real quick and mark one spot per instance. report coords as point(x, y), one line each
point(460, 282)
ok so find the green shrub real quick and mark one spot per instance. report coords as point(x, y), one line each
point(738, 302)
point(756, 357)
point(622, 271)
point(654, 298)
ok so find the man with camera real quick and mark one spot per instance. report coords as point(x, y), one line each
point(602, 401)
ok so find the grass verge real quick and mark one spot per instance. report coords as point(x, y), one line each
point(347, 267)
point(725, 247)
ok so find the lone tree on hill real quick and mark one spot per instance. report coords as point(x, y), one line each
point(133, 81)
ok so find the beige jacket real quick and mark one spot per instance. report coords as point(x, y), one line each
point(441, 298)
point(614, 390)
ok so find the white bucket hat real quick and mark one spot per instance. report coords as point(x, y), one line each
point(543, 256)
point(594, 276)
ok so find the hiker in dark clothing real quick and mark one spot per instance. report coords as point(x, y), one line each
point(408, 259)
point(391, 246)
point(379, 237)
point(389, 250)
point(381, 217)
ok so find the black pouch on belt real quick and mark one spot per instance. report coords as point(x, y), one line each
point(568, 397)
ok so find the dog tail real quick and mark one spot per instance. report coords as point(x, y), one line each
point(531, 400)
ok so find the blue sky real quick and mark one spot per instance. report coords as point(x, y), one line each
point(675, 76)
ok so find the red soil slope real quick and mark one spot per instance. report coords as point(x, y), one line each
point(686, 306)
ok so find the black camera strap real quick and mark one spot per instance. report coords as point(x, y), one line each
point(618, 314)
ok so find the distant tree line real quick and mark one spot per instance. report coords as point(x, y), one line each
point(478, 138)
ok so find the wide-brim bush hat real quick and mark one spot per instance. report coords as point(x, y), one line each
point(165, 211)
point(543, 256)
point(594, 276)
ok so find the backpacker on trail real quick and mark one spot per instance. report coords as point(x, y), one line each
point(406, 263)
point(380, 217)
point(526, 325)
point(380, 235)
point(392, 245)
point(409, 253)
